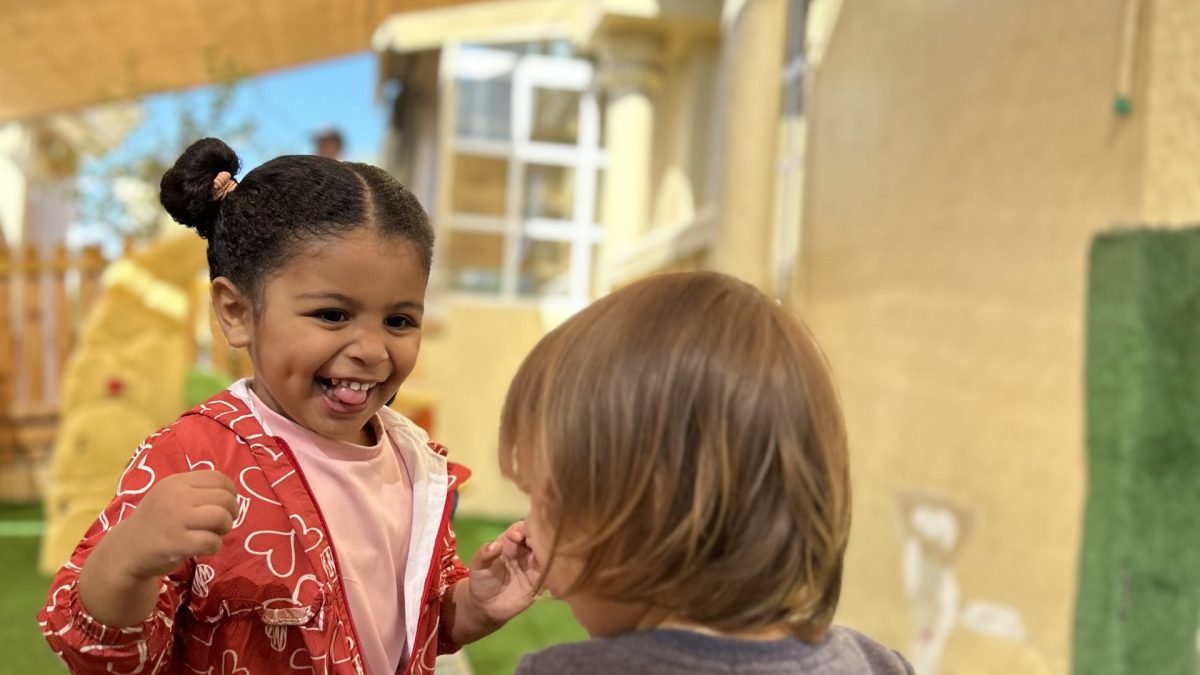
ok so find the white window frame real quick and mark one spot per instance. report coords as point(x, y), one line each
point(790, 178)
point(530, 72)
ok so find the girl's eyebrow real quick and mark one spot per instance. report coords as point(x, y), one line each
point(346, 300)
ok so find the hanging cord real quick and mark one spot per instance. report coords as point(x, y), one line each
point(1123, 101)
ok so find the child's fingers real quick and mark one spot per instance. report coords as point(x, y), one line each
point(209, 518)
point(207, 478)
point(221, 498)
point(516, 532)
point(486, 555)
point(511, 548)
point(202, 543)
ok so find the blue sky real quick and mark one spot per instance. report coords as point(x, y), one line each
point(285, 108)
point(288, 106)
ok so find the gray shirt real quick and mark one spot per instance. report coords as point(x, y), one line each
point(676, 652)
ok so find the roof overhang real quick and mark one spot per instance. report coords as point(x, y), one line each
point(578, 21)
point(64, 54)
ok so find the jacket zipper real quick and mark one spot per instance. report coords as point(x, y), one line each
point(435, 568)
point(337, 566)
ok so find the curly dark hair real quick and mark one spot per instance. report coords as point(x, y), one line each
point(282, 204)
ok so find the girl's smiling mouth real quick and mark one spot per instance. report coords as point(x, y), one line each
point(343, 396)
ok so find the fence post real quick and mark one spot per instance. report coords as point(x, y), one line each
point(90, 267)
point(8, 389)
point(31, 342)
point(64, 318)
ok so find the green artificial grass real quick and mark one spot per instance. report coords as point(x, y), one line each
point(1139, 580)
point(202, 385)
point(24, 652)
point(548, 622)
point(21, 645)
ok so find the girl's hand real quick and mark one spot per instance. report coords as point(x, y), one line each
point(182, 516)
point(504, 576)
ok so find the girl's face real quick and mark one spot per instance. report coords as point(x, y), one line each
point(338, 331)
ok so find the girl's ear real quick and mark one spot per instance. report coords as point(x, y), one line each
point(234, 312)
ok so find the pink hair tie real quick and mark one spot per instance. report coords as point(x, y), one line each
point(223, 184)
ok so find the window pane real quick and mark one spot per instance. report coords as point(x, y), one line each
point(474, 261)
point(562, 48)
point(545, 268)
point(549, 191)
point(485, 108)
point(599, 196)
point(480, 185)
point(555, 116)
point(602, 104)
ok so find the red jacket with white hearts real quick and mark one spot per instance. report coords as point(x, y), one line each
point(271, 600)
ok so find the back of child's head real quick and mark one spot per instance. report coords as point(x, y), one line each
point(283, 205)
point(683, 439)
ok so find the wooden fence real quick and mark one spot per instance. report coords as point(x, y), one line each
point(43, 298)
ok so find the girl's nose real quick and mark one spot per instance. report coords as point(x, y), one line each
point(368, 347)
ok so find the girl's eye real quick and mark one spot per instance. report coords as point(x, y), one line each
point(331, 315)
point(399, 321)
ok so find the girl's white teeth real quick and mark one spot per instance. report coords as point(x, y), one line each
point(349, 384)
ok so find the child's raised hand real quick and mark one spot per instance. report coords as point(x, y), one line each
point(504, 575)
point(182, 516)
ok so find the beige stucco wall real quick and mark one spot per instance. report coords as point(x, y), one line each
point(465, 367)
point(682, 152)
point(962, 155)
point(1171, 104)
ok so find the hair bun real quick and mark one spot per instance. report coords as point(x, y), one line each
point(186, 188)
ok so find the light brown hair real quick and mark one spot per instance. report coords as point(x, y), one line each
point(684, 440)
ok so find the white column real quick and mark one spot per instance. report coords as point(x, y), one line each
point(631, 75)
point(749, 91)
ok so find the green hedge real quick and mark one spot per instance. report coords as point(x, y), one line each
point(1139, 582)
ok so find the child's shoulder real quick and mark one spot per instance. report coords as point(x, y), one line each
point(190, 434)
point(675, 652)
point(875, 656)
point(175, 435)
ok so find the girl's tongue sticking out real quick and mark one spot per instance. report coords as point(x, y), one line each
point(348, 393)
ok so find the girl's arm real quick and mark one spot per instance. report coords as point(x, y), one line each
point(183, 515)
point(110, 608)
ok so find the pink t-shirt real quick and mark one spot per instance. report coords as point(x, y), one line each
point(365, 494)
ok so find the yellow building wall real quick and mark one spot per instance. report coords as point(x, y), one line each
point(683, 131)
point(465, 367)
point(961, 156)
point(1171, 105)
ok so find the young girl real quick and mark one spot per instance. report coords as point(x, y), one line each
point(683, 447)
point(292, 523)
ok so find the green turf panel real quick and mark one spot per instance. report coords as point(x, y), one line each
point(202, 385)
point(548, 622)
point(1139, 580)
point(22, 649)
